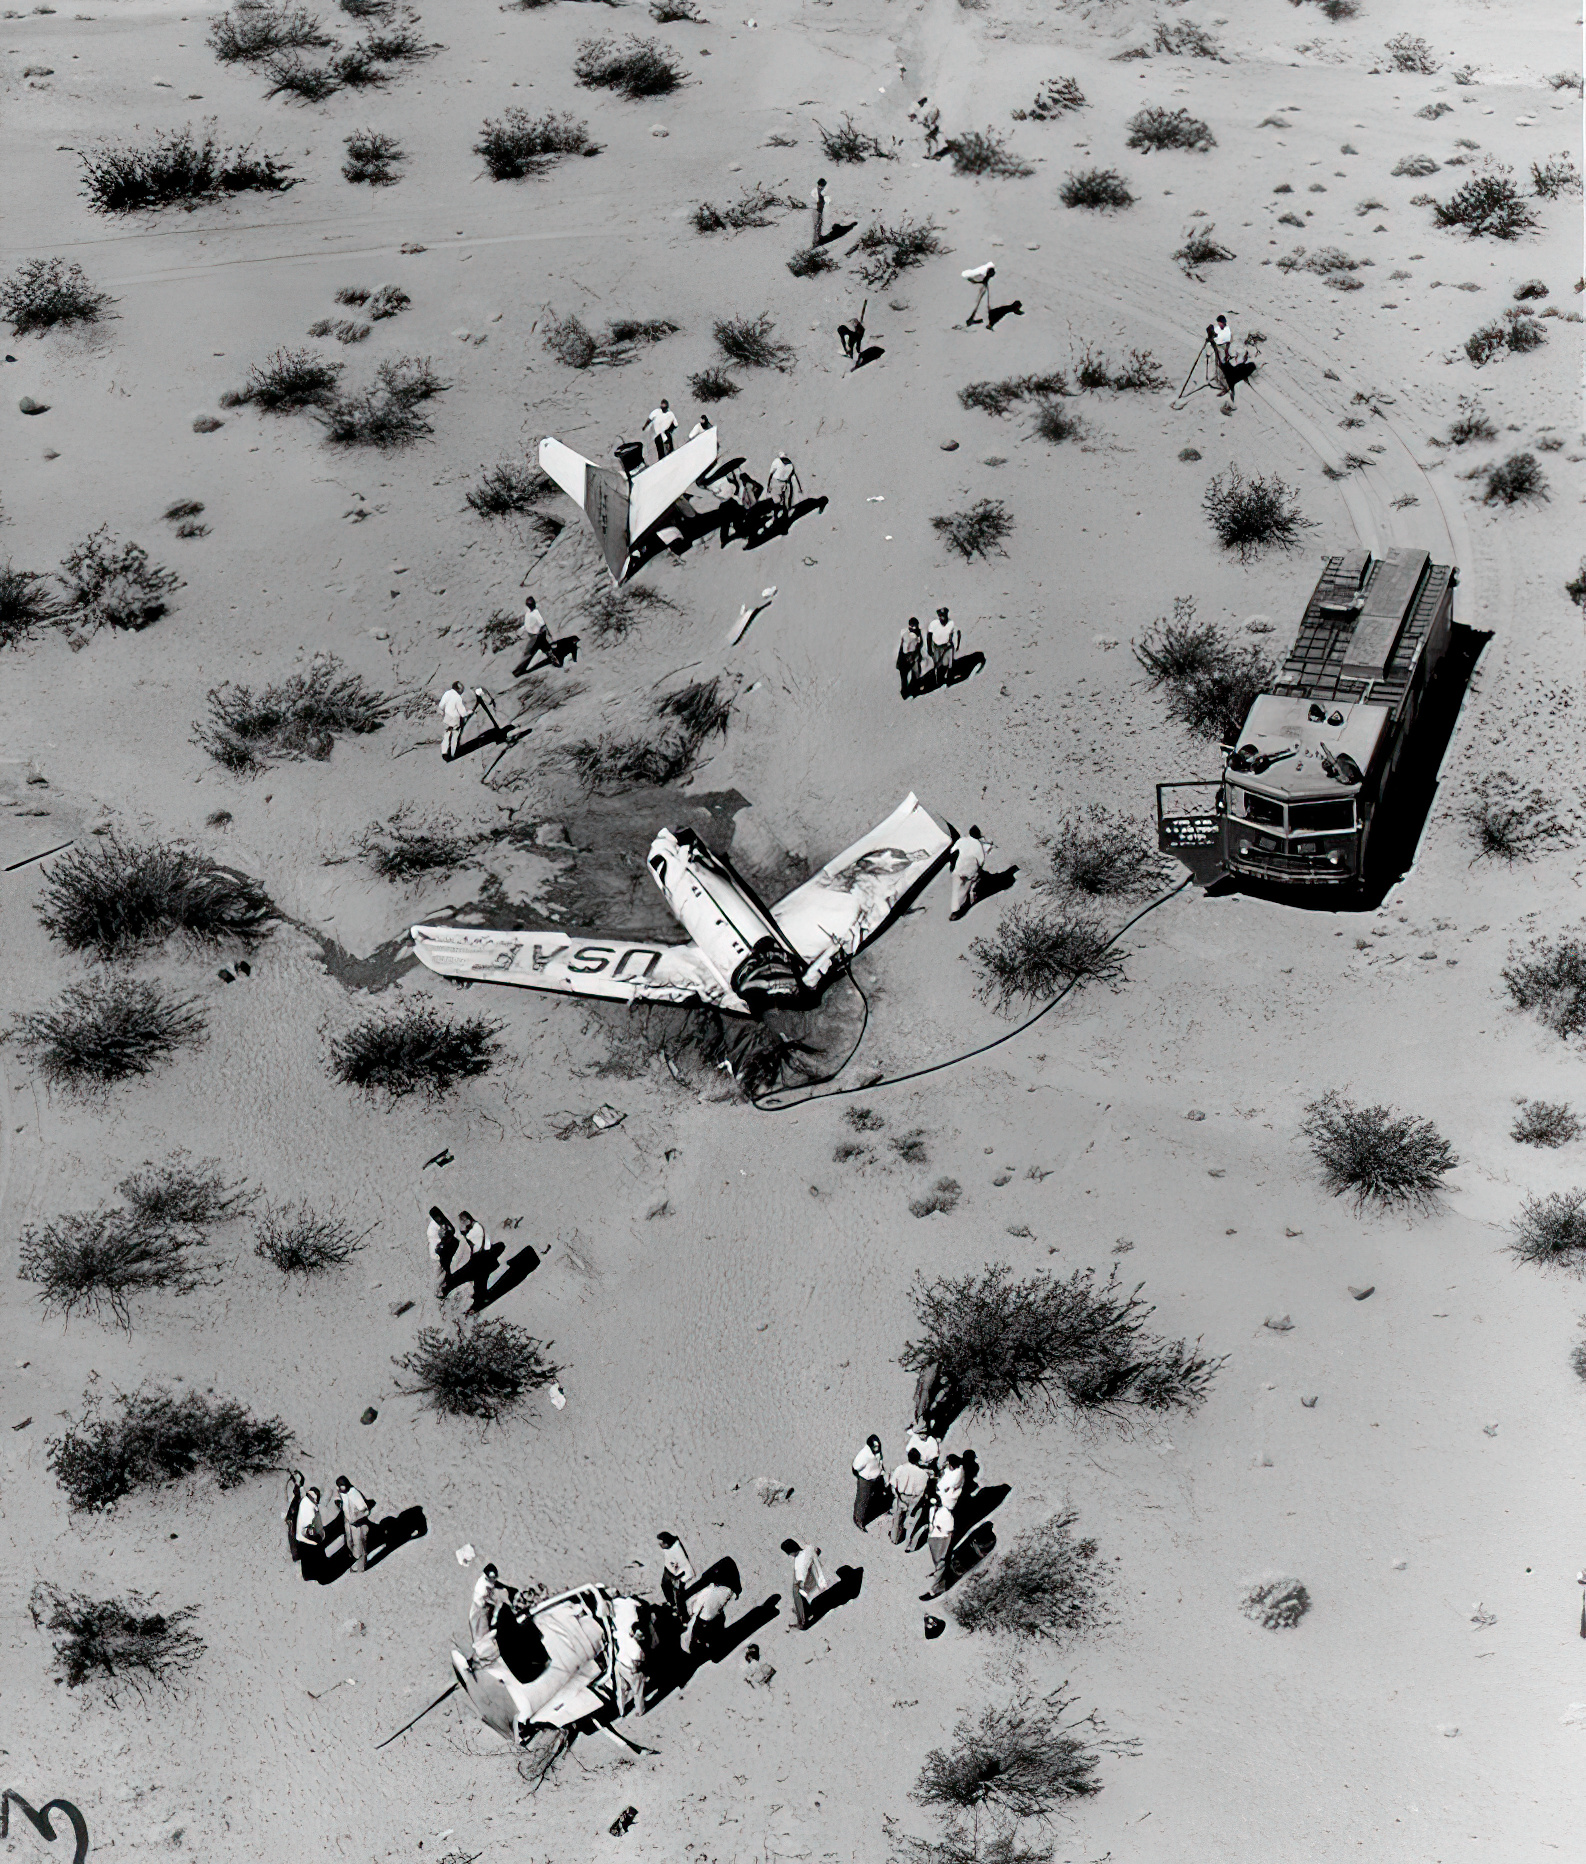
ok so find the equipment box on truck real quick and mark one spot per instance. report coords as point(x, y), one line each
point(1313, 774)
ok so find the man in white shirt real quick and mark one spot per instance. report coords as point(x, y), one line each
point(870, 1475)
point(922, 1438)
point(780, 481)
point(910, 1481)
point(536, 639)
point(706, 1610)
point(677, 1572)
point(354, 1523)
point(444, 1244)
point(310, 1533)
point(456, 712)
point(941, 639)
point(489, 1594)
point(980, 276)
point(810, 1580)
point(950, 1483)
point(941, 1546)
point(629, 1666)
point(967, 860)
point(662, 424)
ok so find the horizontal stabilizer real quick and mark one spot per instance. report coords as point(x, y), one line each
point(654, 490)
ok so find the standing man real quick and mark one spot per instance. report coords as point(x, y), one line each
point(456, 712)
point(707, 1610)
point(677, 1573)
point(537, 639)
point(489, 1596)
point(294, 1494)
point(968, 861)
point(444, 1244)
point(310, 1532)
point(981, 277)
point(818, 213)
point(355, 1512)
point(852, 337)
point(910, 1481)
point(923, 1439)
point(942, 640)
point(662, 424)
point(950, 1484)
point(911, 650)
point(779, 482)
point(629, 1666)
point(941, 1546)
point(809, 1581)
point(870, 1475)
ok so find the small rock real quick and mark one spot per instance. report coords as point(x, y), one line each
point(23, 1425)
point(1288, 1232)
point(381, 634)
point(399, 1307)
point(413, 246)
point(1282, 1323)
point(1002, 1178)
point(1309, 1403)
point(369, 1415)
point(1216, 1171)
point(659, 129)
point(734, 168)
point(1032, 245)
point(1530, 288)
point(353, 1627)
point(51, 454)
point(1447, 1730)
point(1261, 1460)
point(1489, 1430)
point(1364, 1294)
point(462, 336)
point(949, 446)
point(1258, 624)
point(1190, 453)
point(1427, 957)
point(1195, 1112)
point(206, 423)
point(29, 406)
point(1400, 1565)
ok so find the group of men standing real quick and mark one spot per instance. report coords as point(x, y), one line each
point(926, 1492)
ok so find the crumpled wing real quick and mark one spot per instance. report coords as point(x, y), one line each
point(601, 491)
point(853, 896)
point(575, 965)
point(654, 490)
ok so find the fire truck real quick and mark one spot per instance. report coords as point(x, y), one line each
point(1312, 776)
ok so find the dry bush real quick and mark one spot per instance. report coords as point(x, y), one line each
point(399, 43)
point(998, 397)
point(386, 414)
point(1335, 267)
point(151, 1438)
point(247, 32)
point(300, 717)
point(1470, 424)
point(976, 532)
point(179, 1194)
point(570, 341)
point(1487, 205)
point(94, 1262)
point(1035, 954)
point(748, 341)
point(751, 209)
point(890, 251)
point(1275, 1604)
point(713, 384)
point(45, 293)
point(414, 1048)
point(849, 143)
point(1209, 682)
point(122, 178)
point(811, 261)
point(984, 152)
point(1048, 1584)
point(675, 12)
point(1054, 423)
point(1575, 588)
point(942, 1198)
point(1034, 1347)
point(606, 766)
point(1551, 981)
point(1181, 649)
point(518, 144)
point(114, 585)
point(480, 1368)
point(1508, 823)
point(372, 157)
point(117, 1643)
point(290, 380)
point(1141, 372)
point(289, 75)
point(1055, 98)
point(1546, 1123)
point(1516, 330)
point(1184, 39)
point(641, 68)
point(1551, 1231)
point(1408, 53)
point(1254, 515)
point(1415, 165)
point(1201, 247)
point(1513, 480)
point(405, 846)
point(1157, 128)
point(1102, 854)
point(24, 604)
point(1095, 187)
point(613, 613)
point(1384, 1159)
point(299, 1241)
point(699, 708)
point(509, 488)
point(115, 898)
point(107, 1030)
point(1557, 176)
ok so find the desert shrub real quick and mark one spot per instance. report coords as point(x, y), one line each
point(700, 708)
point(890, 251)
point(95, 1262)
point(518, 144)
point(398, 43)
point(1101, 853)
point(151, 1438)
point(1213, 699)
point(1033, 1347)
point(675, 12)
point(1470, 424)
point(1332, 265)
point(372, 157)
point(911, 1146)
point(627, 331)
point(1141, 371)
point(984, 152)
point(1184, 39)
point(941, 1199)
point(44, 293)
point(1508, 823)
point(849, 143)
point(1488, 204)
point(570, 341)
point(641, 68)
point(1275, 1604)
point(1408, 53)
point(999, 397)
point(300, 717)
point(1556, 176)
point(480, 1368)
point(1388, 1160)
point(114, 897)
point(1575, 588)
point(1202, 247)
point(863, 1119)
point(114, 585)
point(244, 32)
point(1254, 515)
point(976, 532)
point(1157, 128)
point(1547, 1123)
point(289, 75)
point(107, 1029)
point(605, 766)
point(386, 414)
point(416, 1048)
point(24, 604)
point(1551, 1231)
point(1048, 1584)
point(1516, 330)
point(1054, 423)
point(751, 209)
point(1033, 955)
point(1055, 98)
point(613, 613)
point(290, 380)
point(1416, 165)
point(116, 1642)
point(120, 178)
point(405, 846)
point(1024, 1761)
point(1565, 81)
point(510, 487)
point(1510, 481)
point(1180, 649)
point(1095, 187)
point(811, 261)
point(748, 341)
point(1551, 981)
point(300, 1241)
point(179, 1194)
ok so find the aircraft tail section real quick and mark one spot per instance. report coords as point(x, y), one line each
point(657, 488)
point(602, 491)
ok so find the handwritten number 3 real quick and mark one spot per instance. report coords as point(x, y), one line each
point(40, 1820)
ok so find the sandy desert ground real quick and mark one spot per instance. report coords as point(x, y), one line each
point(728, 1299)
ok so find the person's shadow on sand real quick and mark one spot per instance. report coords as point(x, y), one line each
point(847, 1585)
point(517, 1270)
point(837, 230)
point(995, 314)
point(769, 523)
point(384, 1539)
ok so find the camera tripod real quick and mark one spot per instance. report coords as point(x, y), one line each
point(1211, 374)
